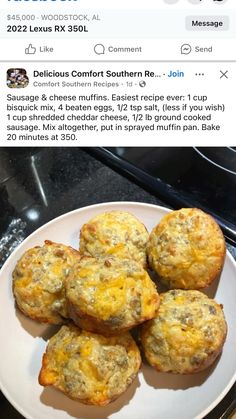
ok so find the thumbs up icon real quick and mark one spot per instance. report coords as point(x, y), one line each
point(30, 49)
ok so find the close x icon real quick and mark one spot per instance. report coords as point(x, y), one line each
point(224, 74)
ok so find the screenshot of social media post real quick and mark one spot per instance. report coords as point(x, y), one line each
point(117, 209)
point(73, 73)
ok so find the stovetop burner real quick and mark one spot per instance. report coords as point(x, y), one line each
point(183, 176)
point(222, 158)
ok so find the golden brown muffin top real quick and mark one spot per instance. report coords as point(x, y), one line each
point(90, 367)
point(187, 249)
point(114, 234)
point(187, 333)
point(38, 281)
point(118, 292)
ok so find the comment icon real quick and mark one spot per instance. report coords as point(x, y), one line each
point(99, 49)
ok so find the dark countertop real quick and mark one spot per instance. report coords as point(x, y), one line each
point(37, 185)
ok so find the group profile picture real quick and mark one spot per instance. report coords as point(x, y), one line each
point(17, 78)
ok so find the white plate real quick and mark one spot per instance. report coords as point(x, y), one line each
point(152, 395)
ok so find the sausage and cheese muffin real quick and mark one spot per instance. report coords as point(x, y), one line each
point(114, 234)
point(187, 249)
point(88, 367)
point(38, 281)
point(187, 335)
point(109, 296)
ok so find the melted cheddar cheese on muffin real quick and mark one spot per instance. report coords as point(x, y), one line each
point(110, 296)
point(114, 234)
point(38, 281)
point(187, 249)
point(88, 367)
point(187, 335)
